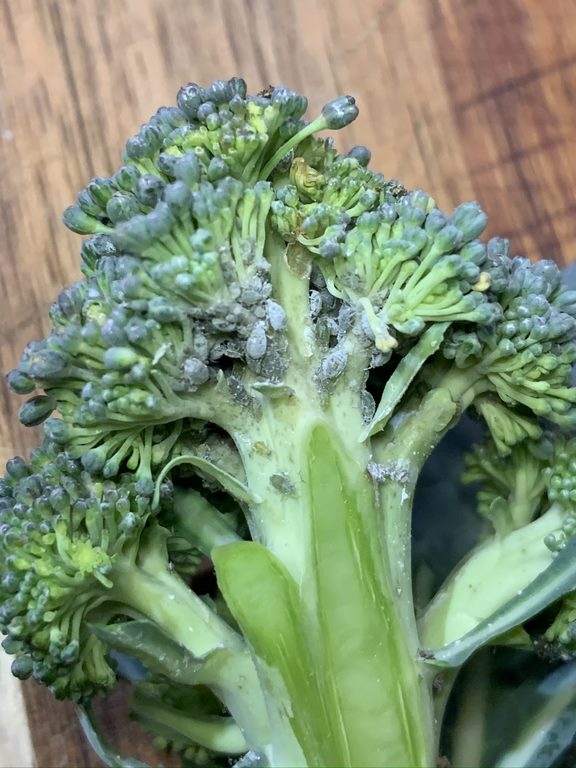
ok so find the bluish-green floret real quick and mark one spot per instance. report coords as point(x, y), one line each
point(63, 535)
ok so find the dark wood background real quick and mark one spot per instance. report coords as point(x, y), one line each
point(469, 99)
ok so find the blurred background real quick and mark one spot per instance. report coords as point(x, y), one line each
point(468, 99)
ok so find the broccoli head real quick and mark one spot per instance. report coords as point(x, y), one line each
point(238, 398)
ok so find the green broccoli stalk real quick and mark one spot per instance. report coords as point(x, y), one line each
point(269, 342)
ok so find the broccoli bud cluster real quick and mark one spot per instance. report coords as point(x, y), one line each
point(527, 355)
point(560, 637)
point(511, 488)
point(560, 479)
point(391, 254)
point(214, 133)
point(153, 324)
point(61, 532)
point(177, 288)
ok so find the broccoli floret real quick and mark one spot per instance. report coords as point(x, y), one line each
point(527, 357)
point(79, 551)
point(269, 341)
point(559, 640)
point(511, 488)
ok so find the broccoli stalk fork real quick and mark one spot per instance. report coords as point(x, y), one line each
point(269, 342)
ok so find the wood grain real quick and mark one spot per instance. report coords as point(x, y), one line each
point(466, 98)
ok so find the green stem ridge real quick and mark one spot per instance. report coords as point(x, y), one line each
point(368, 685)
point(403, 376)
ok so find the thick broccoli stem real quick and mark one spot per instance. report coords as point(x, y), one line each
point(270, 443)
point(272, 450)
point(336, 695)
point(357, 680)
point(400, 453)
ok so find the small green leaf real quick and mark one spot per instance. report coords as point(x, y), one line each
point(558, 579)
point(228, 482)
point(403, 376)
point(264, 600)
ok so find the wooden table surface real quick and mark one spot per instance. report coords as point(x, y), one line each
point(469, 99)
